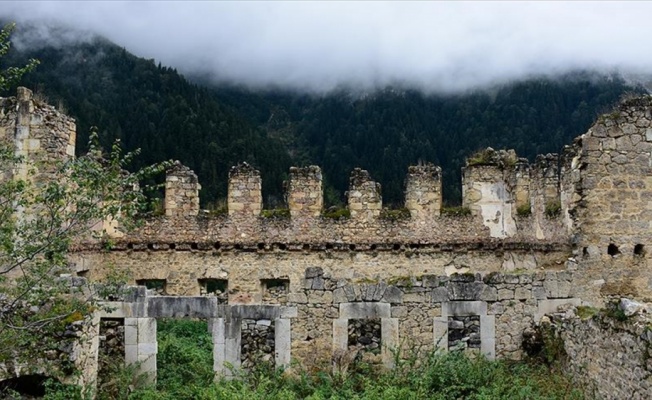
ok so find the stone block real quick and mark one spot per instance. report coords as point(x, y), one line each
point(439, 294)
point(297, 298)
point(288, 312)
point(131, 354)
point(489, 293)
point(340, 334)
point(463, 308)
point(393, 295)
point(147, 348)
point(146, 330)
point(440, 333)
point(505, 294)
point(218, 331)
point(339, 296)
point(364, 310)
point(539, 293)
point(131, 334)
point(313, 272)
point(522, 293)
point(465, 290)
point(389, 340)
point(282, 342)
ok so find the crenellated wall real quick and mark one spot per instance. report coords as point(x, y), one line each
point(245, 199)
point(423, 191)
point(181, 192)
point(567, 229)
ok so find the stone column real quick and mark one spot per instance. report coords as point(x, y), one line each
point(365, 201)
point(181, 192)
point(423, 191)
point(487, 182)
point(141, 346)
point(282, 342)
point(216, 327)
point(245, 198)
point(304, 193)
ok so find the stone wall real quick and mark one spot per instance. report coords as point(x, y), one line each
point(612, 218)
point(609, 357)
point(181, 192)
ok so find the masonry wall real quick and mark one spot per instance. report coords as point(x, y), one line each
point(609, 359)
point(614, 205)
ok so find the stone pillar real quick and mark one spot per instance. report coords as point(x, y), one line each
point(181, 192)
point(304, 193)
point(423, 191)
point(216, 327)
point(282, 342)
point(245, 197)
point(569, 177)
point(232, 337)
point(487, 185)
point(522, 188)
point(365, 201)
point(544, 187)
point(141, 346)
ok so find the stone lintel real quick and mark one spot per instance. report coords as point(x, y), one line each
point(365, 310)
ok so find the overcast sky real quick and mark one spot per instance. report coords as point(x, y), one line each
point(437, 46)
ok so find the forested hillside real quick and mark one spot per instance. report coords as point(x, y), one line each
point(152, 107)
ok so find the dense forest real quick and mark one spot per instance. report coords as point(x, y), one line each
point(210, 128)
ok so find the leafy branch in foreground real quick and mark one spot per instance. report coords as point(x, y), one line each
point(44, 213)
point(11, 75)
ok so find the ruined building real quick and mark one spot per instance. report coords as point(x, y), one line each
point(569, 229)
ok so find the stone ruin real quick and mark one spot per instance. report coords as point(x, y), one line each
point(568, 230)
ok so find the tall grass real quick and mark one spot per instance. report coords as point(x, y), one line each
point(185, 372)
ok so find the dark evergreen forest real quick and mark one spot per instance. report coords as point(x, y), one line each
point(209, 128)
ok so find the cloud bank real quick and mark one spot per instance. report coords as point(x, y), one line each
point(318, 46)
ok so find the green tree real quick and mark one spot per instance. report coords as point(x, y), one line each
point(45, 212)
point(11, 75)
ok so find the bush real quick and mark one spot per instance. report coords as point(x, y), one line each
point(553, 208)
point(185, 372)
point(524, 210)
point(456, 211)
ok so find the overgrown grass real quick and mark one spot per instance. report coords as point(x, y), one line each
point(185, 372)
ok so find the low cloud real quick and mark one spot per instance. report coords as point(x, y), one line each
point(318, 46)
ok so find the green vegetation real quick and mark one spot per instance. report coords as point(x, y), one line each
point(481, 157)
point(395, 214)
point(553, 208)
point(152, 107)
point(337, 213)
point(456, 211)
point(524, 210)
point(185, 372)
point(278, 213)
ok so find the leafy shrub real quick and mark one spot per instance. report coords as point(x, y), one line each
point(395, 215)
point(185, 372)
point(459, 211)
point(524, 210)
point(276, 213)
point(553, 208)
point(337, 213)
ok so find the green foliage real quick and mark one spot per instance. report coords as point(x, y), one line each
point(456, 211)
point(279, 213)
point(43, 313)
point(587, 312)
point(10, 76)
point(395, 214)
point(481, 157)
point(337, 213)
point(553, 208)
point(185, 372)
point(524, 210)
